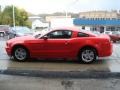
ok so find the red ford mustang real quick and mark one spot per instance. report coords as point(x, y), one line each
point(67, 43)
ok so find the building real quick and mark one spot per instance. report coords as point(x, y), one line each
point(38, 23)
point(102, 15)
point(59, 21)
point(62, 22)
point(49, 18)
point(97, 25)
point(98, 21)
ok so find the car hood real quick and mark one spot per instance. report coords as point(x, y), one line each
point(24, 34)
point(21, 39)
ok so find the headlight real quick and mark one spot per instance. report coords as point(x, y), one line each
point(8, 44)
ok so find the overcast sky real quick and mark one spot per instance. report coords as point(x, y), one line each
point(50, 6)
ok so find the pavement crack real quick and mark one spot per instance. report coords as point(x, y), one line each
point(68, 85)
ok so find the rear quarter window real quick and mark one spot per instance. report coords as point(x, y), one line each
point(82, 34)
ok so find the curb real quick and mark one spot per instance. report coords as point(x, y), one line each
point(62, 74)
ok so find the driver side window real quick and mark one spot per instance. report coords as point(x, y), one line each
point(59, 34)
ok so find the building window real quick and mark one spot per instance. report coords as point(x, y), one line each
point(113, 18)
point(93, 28)
point(104, 18)
point(83, 27)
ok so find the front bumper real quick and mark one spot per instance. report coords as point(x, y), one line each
point(8, 50)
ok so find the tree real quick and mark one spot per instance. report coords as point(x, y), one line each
point(6, 16)
point(0, 19)
point(21, 17)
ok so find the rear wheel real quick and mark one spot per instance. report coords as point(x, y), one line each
point(20, 54)
point(87, 55)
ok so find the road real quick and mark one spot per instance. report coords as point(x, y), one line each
point(108, 64)
point(37, 83)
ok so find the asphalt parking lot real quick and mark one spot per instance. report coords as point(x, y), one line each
point(108, 64)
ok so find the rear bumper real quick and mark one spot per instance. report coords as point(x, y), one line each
point(106, 50)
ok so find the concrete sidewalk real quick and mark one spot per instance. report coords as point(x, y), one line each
point(104, 68)
point(8, 82)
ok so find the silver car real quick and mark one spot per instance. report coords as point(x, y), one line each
point(19, 31)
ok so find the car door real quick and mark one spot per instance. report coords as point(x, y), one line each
point(57, 44)
point(36, 47)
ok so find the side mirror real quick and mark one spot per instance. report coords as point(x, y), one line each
point(45, 37)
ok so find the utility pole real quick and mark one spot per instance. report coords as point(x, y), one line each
point(66, 14)
point(73, 3)
point(13, 16)
point(0, 8)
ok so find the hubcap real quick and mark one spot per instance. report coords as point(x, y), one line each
point(20, 53)
point(88, 55)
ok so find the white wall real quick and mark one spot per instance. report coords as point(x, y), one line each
point(61, 22)
point(87, 28)
point(38, 23)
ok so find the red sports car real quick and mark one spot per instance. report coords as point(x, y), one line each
point(66, 43)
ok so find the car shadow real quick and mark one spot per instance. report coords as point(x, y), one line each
point(61, 61)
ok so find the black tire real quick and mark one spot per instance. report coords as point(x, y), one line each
point(20, 54)
point(87, 58)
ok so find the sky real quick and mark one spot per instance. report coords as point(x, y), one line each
point(51, 6)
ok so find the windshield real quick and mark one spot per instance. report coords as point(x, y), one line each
point(41, 33)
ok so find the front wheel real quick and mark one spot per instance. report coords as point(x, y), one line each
point(20, 54)
point(87, 55)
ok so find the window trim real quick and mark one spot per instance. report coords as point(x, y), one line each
point(87, 35)
point(59, 30)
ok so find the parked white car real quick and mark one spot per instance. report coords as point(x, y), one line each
point(108, 32)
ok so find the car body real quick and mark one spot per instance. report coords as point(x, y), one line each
point(115, 36)
point(64, 43)
point(19, 31)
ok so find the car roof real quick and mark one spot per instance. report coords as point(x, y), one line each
point(66, 28)
point(73, 29)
